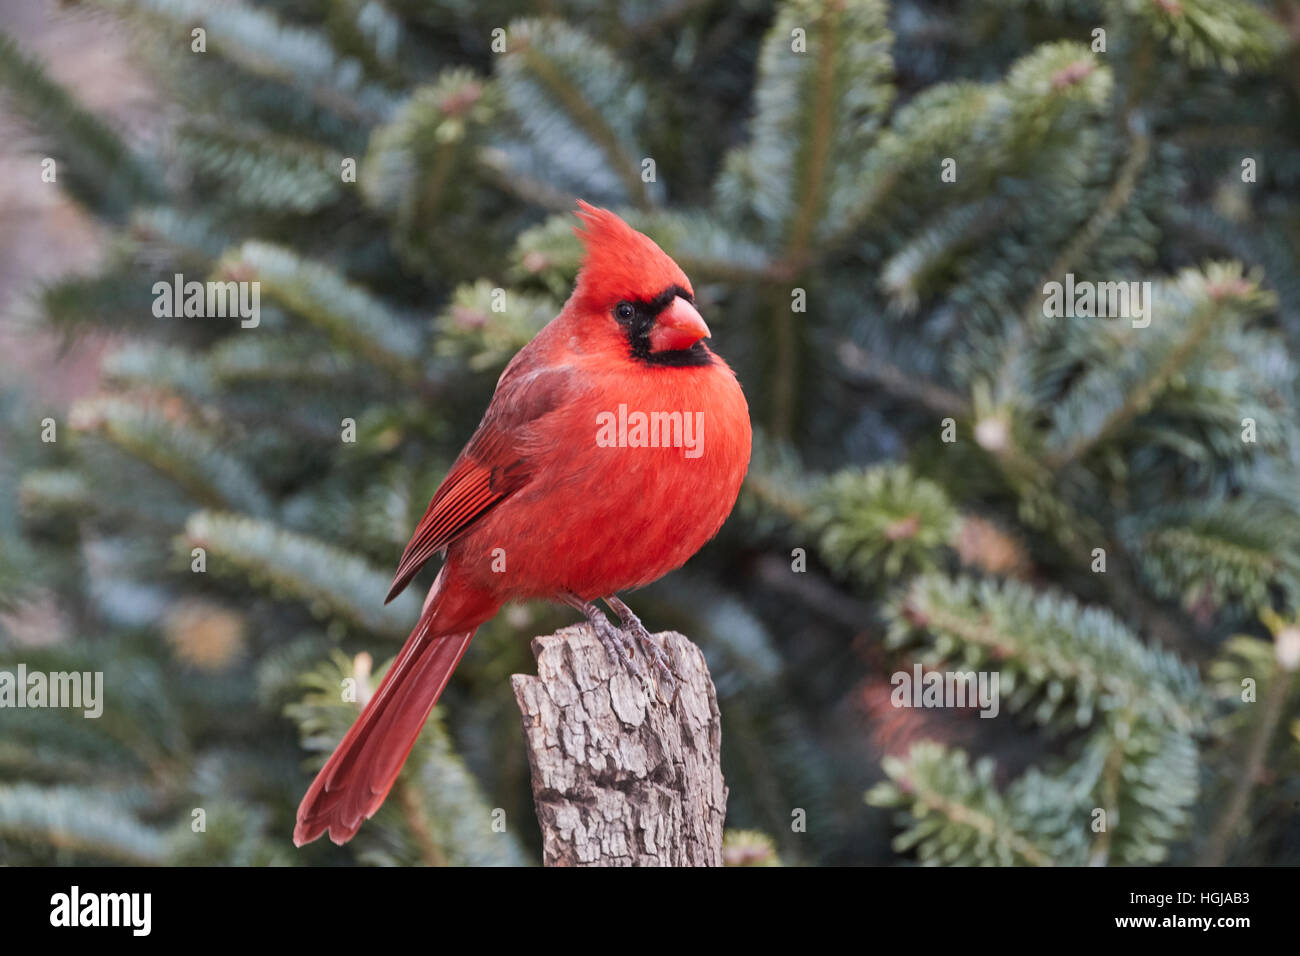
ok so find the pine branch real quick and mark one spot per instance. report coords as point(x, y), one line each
point(1231, 34)
point(579, 108)
point(1195, 311)
point(878, 522)
point(1049, 649)
point(353, 317)
point(328, 579)
point(957, 817)
point(254, 41)
point(1137, 154)
point(473, 330)
point(93, 164)
point(900, 383)
point(261, 170)
point(167, 439)
point(86, 821)
point(816, 110)
point(1281, 683)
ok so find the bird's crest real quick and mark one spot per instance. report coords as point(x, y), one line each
point(620, 263)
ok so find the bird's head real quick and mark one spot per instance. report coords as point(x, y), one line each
point(629, 291)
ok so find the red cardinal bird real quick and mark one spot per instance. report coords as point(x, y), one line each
point(614, 447)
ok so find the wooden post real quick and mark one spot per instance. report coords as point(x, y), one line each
point(620, 779)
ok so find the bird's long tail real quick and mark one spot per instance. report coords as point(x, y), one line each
point(357, 777)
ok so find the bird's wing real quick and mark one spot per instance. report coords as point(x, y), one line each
point(494, 464)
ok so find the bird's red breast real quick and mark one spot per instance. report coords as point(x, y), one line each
point(634, 472)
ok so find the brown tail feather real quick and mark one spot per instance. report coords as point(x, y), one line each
point(357, 777)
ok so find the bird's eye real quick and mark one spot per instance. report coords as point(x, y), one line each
point(623, 310)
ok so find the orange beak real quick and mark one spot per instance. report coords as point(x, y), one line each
point(678, 326)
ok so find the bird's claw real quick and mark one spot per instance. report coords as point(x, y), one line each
point(666, 684)
point(620, 643)
point(621, 648)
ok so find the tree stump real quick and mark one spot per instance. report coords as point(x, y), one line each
point(620, 779)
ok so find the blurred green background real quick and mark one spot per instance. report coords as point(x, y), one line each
point(869, 200)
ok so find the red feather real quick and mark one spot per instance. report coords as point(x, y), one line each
point(492, 466)
point(620, 262)
point(363, 768)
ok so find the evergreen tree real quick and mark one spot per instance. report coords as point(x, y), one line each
point(872, 202)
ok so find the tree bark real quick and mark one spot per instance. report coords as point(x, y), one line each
point(619, 778)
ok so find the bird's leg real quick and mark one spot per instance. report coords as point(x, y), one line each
point(618, 644)
point(663, 667)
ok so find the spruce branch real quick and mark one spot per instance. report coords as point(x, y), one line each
point(413, 811)
point(1109, 788)
point(357, 319)
point(165, 436)
point(256, 42)
point(1115, 200)
point(1139, 401)
point(262, 170)
point(1049, 649)
point(955, 814)
point(432, 163)
point(1219, 553)
point(1197, 310)
point(1281, 685)
point(472, 328)
point(328, 579)
point(1233, 35)
point(145, 365)
point(94, 166)
point(1225, 827)
point(298, 359)
point(879, 522)
point(869, 368)
point(1001, 128)
point(565, 89)
point(89, 821)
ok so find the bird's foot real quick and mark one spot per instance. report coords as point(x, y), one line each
point(666, 683)
point(619, 644)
